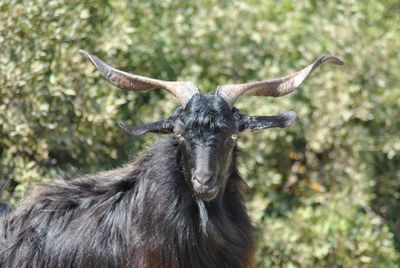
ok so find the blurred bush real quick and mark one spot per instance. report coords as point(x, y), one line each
point(323, 193)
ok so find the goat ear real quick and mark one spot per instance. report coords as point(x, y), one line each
point(254, 123)
point(162, 127)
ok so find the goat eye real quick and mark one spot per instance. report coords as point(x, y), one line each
point(179, 136)
point(234, 137)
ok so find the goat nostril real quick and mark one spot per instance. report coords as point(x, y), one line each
point(202, 179)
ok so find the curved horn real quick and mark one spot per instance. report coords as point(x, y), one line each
point(183, 90)
point(274, 87)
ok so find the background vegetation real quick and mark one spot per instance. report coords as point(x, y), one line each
point(323, 193)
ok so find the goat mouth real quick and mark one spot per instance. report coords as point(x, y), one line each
point(208, 196)
point(205, 192)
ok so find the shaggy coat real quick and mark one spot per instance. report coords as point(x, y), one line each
point(141, 215)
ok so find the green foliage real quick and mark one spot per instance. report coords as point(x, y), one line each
point(323, 193)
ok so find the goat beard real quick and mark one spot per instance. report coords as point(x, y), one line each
point(208, 227)
point(203, 216)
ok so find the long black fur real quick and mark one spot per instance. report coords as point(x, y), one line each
point(141, 215)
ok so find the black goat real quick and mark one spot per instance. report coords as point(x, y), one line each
point(178, 205)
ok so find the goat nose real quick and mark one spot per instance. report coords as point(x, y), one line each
point(202, 177)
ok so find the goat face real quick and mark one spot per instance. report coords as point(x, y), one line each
point(206, 131)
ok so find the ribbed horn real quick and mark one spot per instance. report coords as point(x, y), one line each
point(183, 90)
point(274, 87)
